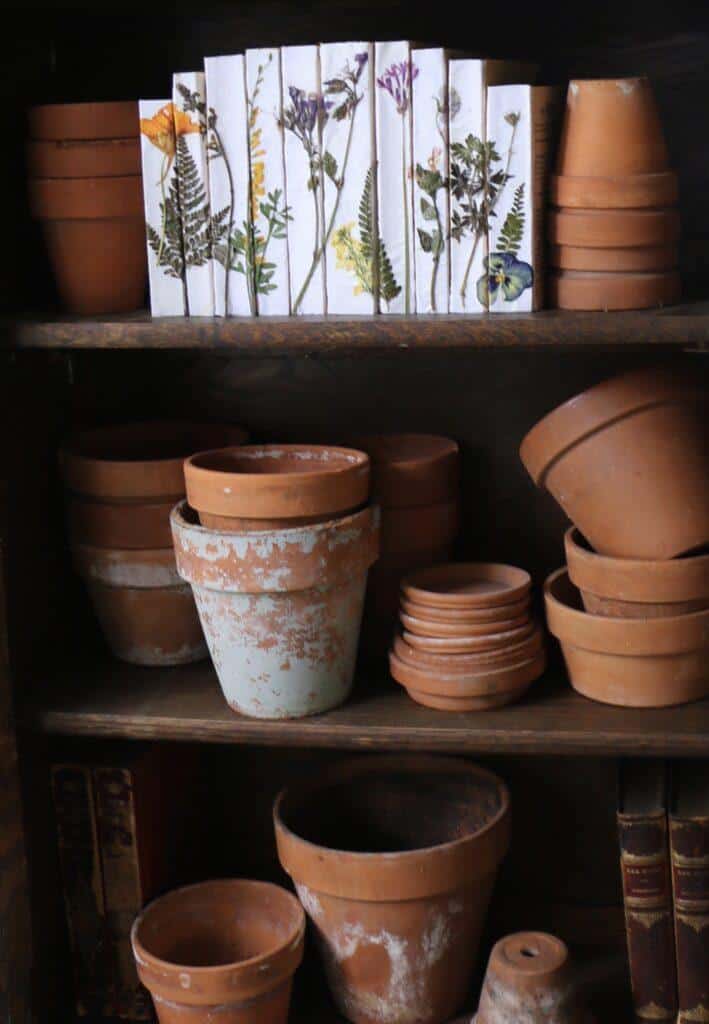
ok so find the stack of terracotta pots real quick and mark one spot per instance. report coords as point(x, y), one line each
point(628, 461)
point(122, 483)
point(614, 225)
point(468, 642)
point(416, 481)
point(276, 542)
point(85, 188)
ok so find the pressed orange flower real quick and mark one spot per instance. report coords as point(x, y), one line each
point(163, 128)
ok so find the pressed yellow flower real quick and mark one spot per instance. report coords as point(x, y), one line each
point(258, 187)
point(163, 128)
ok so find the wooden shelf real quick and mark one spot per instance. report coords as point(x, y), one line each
point(115, 700)
point(684, 326)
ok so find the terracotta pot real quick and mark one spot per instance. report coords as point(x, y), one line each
point(86, 198)
point(394, 860)
point(281, 610)
point(426, 627)
point(447, 664)
point(85, 121)
point(629, 588)
point(128, 524)
point(419, 528)
point(612, 129)
point(632, 191)
point(654, 662)
point(236, 524)
point(467, 585)
point(529, 979)
point(658, 257)
point(277, 481)
point(465, 616)
point(628, 461)
point(225, 950)
point(97, 158)
point(468, 644)
point(138, 460)
point(412, 469)
point(576, 289)
point(607, 229)
point(147, 614)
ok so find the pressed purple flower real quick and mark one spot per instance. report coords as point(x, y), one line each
point(306, 109)
point(397, 80)
point(361, 59)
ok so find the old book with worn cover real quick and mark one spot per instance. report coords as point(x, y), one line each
point(647, 891)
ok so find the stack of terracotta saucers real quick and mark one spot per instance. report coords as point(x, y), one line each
point(614, 224)
point(468, 641)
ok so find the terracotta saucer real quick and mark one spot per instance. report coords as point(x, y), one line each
point(609, 228)
point(640, 259)
point(462, 704)
point(475, 684)
point(452, 663)
point(467, 585)
point(472, 616)
point(467, 645)
point(633, 190)
point(425, 627)
point(591, 290)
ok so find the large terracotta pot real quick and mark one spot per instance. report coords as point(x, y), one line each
point(94, 158)
point(281, 609)
point(116, 198)
point(222, 951)
point(589, 290)
point(412, 469)
point(628, 461)
point(653, 662)
point(136, 525)
point(631, 191)
point(394, 860)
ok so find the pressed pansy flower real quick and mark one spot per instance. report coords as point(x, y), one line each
point(397, 80)
point(506, 274)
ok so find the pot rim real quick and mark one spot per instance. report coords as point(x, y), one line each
point(127, 562)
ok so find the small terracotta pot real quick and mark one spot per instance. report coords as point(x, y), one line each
point(97, 158)
point(658, 257)
point(655, 662)
point(468, 644)
point(86, 198)
point(511, 654)
point(529, 979)
point(412, 469)
point(628, 461)
point(419, 528)
point(467, 585)
point(612, 129)
point(281, 610)
point(629, 588)
point(607, 229)
point(576, 289)
point(277, 481)
point(118, 120)
point(225, 950)
point(632, 191)
point(465, 616)
point(394, 860)
point(425, 627)
point(147, 614)
point(112, 524)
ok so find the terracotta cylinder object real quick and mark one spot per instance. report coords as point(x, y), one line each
point(394, 860)
point(115, 524)
point(412, 469)
point(93, 158)
point(611, 128)
point(225, 950)
point(573, 257)
point(633, 588)
point(576, 289)
point(651, 662)
point(281, 610)
point(113, 120)
point(86, 198)
point(406, 531)
point(628, 461)
point(607, 229)
point(631, 191)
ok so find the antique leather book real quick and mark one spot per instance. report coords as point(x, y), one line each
point(647, 890)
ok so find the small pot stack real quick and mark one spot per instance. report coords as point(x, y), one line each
point(468, 642)
point(628, 461)
point(85, 188)
point(276, 542)
point(614, 225)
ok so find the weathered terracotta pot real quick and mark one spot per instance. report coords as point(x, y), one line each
point(394, 860)
point(577, 289)
point(468, 585)
point(631, 191)
point(427, 627)
point(286, 481)
point(419, 528)
point(628, 461)
point(86, 198)
point(468, 644)
point(412, 469)
point(120, 524)
point(225, 950)
point(510, 654)
point(281, 610)
point(115, 120)
point(607, 229)
point(632, 588)
point(465, 616)
point(529, 978)
point(654, 662)
point(571, 257)
point(93, 158)
point(612, 129)
point(147, 614)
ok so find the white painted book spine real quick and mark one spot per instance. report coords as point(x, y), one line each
point(431, 209)
point(189, 98)
point(162, 217)
point(269, 213)
point(228, 166)
point(394, 74)
point(303, 115)
point(347, 74)
point(466, 129)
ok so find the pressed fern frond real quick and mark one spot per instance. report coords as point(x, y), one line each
point(373, 247)
point(512, 233)
point(194, 208)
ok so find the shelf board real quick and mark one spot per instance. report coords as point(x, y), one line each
point(112, 699)
point(684, 326)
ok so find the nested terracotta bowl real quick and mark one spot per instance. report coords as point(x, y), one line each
point(93, 158)
point(651, 662)
point(120, 524)
point(634, 588)
point(86, 198)
point(412, 469)
point(465, 616)
point(510, 654)
point(581, 289)
point(426, 627)
point(59, 121)
point(633, 191)
point(419, 528)
point(467, 585)
point(628, 461)
point(468, 644)
point(606, 229)
point(609, 261)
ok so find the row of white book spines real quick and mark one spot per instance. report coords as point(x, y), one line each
point(311, 123)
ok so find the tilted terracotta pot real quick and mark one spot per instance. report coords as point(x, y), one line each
point(394, 860)
point(465, 616)
point(576, 289)
point(468, 644)
point(114, 120)
point(412, 469)
point(611, 128)
point(225, 950)
point(653, 662)
point(633, 191)
point(510, 654)
point(86, 198)
point(634, 588)
point(147, 614)
point(607, 229)
point(427, 627)
point(419, 528)
point(643, 258)
point(468, 585)
point(628, 461)
point(281, 610)
point(94, 158)
point(120, 524)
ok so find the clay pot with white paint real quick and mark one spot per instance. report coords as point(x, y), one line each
point(394, 860)
point(281, 609)
point(222, 950)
